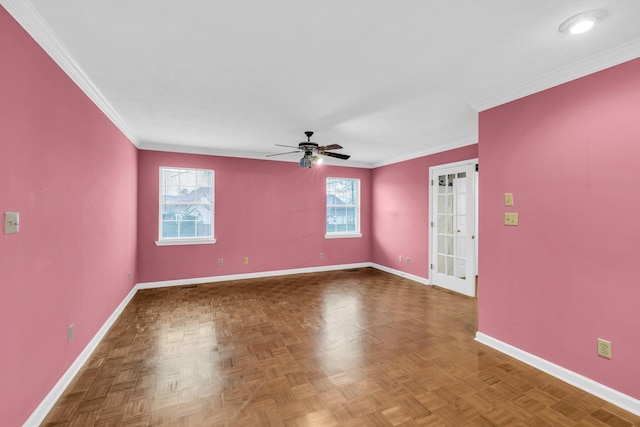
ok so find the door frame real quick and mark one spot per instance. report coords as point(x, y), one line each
point(432, 236)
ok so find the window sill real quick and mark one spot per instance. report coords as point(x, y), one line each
point(342, 235)
point(176, 242)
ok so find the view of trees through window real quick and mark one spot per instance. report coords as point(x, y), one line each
point(186, 203)
point(343, 205)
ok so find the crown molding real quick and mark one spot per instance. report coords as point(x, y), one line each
point(433, 150)
point(207, 151)
point(612, 57)
point(28, 17)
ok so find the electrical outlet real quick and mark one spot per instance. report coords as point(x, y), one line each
point(510, 218)
point(400, 258)
point(407, 260)
point(220, 261)
point(604, 348)
point(246, 260)
point(71, 332)
point(321, 255)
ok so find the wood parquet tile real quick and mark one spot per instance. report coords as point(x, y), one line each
point(345, 348)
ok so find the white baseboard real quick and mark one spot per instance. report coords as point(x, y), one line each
point(258, 275)
point(401, 273)
point(615, 397)
point(52, 397)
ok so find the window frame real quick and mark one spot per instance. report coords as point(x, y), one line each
point(182, 240)
point(357, 206)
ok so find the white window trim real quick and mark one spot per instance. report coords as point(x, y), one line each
point(175, 241)
point(339, 235)
point(343, 234)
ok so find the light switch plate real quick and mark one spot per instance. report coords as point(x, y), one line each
point(11, 222)
point(508, 199)
point(510, 218)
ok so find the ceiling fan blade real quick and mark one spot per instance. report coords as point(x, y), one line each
point(330, 147)
point(288, 146)
point(281, 154)
point(336, 155)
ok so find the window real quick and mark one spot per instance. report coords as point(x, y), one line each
point(343, 207)
point(186, 206)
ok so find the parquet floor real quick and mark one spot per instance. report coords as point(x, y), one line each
point(348, 348)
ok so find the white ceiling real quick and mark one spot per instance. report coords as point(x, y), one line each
point(387, 79)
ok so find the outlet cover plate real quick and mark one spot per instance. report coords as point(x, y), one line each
point(508, 199)
point(604, 348)
point(11, 222)
point(510, 218)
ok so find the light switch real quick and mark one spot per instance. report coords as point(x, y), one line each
point(508, 199)
point(510, 218)
point(11, 222)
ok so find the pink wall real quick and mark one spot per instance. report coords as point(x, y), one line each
point(569, 272)
point(271, 212)
point(71, 175)
point(400, 202)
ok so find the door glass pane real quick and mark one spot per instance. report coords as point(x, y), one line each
point(449, 245)
point(450, 179)
point(442, 184)
point(449, 266)
point(448, 225)
point(449, 202)
point(441, 223)
point(441, 244)
point(441, 264)
point(441, 204)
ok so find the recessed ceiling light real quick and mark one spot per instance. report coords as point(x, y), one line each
point(582, 22)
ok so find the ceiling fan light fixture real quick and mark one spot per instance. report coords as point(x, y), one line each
point(306, 161)
point(582, 22)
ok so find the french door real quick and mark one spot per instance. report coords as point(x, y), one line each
point(453, 227)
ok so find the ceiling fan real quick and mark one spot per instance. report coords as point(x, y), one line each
point(312, 151)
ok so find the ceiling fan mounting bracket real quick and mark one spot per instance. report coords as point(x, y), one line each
point(309, 135)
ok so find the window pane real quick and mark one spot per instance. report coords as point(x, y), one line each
point(186, 203)
point(187, 228)
point(169, 228)
point(343, 210)
point(203, 230)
